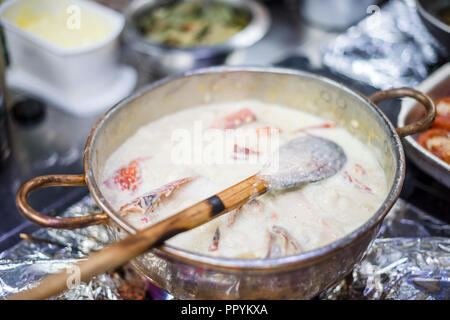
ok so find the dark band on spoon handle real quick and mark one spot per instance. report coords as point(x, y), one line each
point(236, 195)
point(216, 204)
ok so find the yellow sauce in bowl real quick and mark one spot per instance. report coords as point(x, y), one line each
point(66, 24)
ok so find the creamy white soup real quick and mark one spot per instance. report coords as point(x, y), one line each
point(185, 157)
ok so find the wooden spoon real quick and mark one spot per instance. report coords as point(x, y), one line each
point(300, 161)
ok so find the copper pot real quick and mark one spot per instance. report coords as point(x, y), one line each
point(190, 275)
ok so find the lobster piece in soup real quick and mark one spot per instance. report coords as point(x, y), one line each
point(185, 157)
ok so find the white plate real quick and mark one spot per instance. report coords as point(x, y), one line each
point(425, 160)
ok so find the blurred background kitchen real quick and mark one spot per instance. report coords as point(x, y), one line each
point(65, 62)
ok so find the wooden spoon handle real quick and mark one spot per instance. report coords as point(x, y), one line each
point(123, 251)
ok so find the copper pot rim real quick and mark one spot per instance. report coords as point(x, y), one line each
point(168, 251)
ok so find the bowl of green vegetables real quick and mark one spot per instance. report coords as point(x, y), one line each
point(181, 35)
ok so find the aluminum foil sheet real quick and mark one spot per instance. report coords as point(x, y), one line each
point(409, 260)
point(52, 250)
point(400, 268)
point(389, 48)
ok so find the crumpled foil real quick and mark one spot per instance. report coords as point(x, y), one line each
point(53, 250)
point(400, 269)
point(389, 48)
point(409, 260)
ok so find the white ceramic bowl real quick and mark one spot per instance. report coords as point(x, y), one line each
point(74, 73)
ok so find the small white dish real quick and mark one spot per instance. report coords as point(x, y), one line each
point(80, 105)
point(81, 78)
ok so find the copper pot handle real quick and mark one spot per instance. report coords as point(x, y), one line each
point(424, 99)
point(55, 222)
